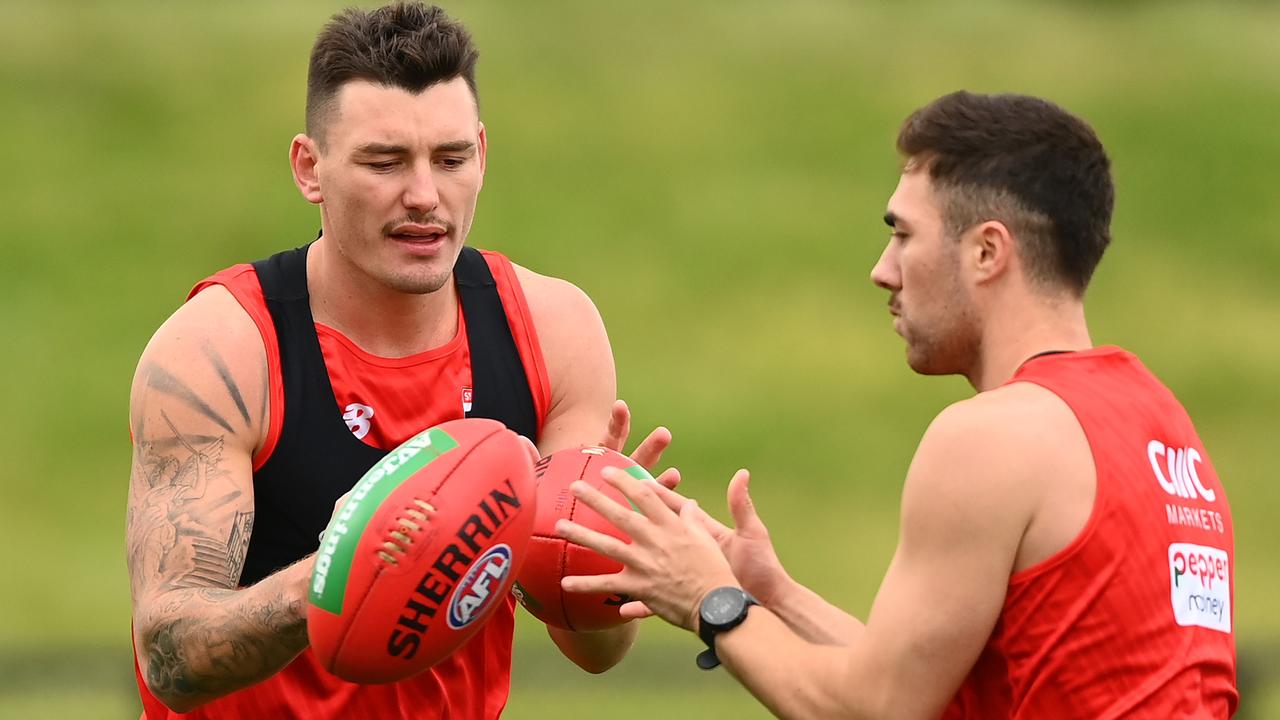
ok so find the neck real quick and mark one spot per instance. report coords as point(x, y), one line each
point(1040, 326)
point(380, 320)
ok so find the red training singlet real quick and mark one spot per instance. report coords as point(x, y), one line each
point(1134, 618)
point(385, 401)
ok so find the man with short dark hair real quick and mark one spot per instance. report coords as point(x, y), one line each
point(267, 395)
point(1066, 547)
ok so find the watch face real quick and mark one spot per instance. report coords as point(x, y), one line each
point(722, 605)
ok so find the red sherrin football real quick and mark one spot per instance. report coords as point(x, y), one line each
point(551, 557)
point(423, 550)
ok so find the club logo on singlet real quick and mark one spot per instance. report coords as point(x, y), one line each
point(358, 418)
point(1200, 586)
point(466, 399)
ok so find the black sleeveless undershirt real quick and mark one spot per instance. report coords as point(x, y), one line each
point(317, 458)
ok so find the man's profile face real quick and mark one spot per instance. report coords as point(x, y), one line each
point(920, 267)
point(400, 173)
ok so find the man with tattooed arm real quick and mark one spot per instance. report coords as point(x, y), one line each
point(263, 399)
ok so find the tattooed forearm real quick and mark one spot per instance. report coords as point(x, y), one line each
point(213, 642)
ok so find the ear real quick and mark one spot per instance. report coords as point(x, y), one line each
point(483, 150)
point(304, 154)
point(990, 249)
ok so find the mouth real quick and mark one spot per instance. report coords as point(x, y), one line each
point(420, 239)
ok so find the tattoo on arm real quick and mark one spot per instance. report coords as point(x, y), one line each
point(201, 656)
point(167, 543)
point(188, 537)
point(228, 381)
point(166, 382)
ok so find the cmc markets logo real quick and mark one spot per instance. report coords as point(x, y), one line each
point(479, 587)
point(1175, 470)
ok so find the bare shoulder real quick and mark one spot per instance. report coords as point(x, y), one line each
point(208, 357)
point(1005, 428)
point(570, 329)
point(554, 301)
point(579, 360)
point(988, 450)
point(1001, 459)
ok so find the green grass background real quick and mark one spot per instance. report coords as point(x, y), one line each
point(713, 174)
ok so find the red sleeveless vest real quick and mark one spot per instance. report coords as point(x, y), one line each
point(384, 401)
point(1134, 618)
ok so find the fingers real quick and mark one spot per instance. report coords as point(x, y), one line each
point(604, 544)
point(695, 519)
point(669, 478)
point(610, 584)
point(740, 504)
point(649, 452)
point(337, 504)
point(632, 523)
point(615, 436)
point(641, 494)
point(635, 610)
point(675, 502)
point(530, 449)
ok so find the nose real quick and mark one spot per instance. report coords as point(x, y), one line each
point(885, 272)
point(421, 194)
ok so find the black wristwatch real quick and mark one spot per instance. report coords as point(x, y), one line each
point(723, 609)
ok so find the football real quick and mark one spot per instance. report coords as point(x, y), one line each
point(550, 557)
point(425, 547)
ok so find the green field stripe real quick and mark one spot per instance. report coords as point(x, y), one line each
point(342, 536)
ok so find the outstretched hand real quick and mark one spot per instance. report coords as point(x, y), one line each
point(672, 561)
point(746, 546)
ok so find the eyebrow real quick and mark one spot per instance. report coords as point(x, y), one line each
point(376, 148)
point(891, 219)
point(455, 146)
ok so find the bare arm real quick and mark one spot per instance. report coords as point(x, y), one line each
point(967, 501)
point(197, 413)
point(580, 367)
point(756, 566)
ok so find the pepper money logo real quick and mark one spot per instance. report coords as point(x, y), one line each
point(1200, 586)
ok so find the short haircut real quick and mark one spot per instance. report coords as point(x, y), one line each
point(407, 45)
point(1025, 162)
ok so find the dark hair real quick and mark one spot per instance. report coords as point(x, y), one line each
point(1026, 162)
point(407, 45)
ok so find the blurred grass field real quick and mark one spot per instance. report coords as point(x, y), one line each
point(713, 174)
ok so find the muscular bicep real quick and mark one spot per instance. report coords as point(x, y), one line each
point(962, 520)
point(197, 410)
point(579, 362)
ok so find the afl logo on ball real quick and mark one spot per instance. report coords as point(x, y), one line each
point(481, 585)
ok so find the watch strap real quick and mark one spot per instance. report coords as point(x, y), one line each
point(707, 659)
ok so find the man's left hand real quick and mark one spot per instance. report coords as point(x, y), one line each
point(671, 563)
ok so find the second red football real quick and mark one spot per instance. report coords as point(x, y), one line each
point(550, 557)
